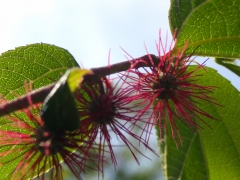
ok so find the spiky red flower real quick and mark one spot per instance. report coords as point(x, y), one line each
point(170, 88)
point(104, 109)
point(27, 144)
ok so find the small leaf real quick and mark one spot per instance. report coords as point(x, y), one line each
point(75, 77)
point(212, 153)
point(59, 111)
point(211, 27)
point(229, 64)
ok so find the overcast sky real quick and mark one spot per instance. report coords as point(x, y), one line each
point(88, 30)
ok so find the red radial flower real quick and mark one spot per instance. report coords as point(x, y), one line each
point(104, 109)
point(27, 144)
point(169, 88)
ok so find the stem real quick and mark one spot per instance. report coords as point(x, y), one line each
point(40, 94)
point(22, 102)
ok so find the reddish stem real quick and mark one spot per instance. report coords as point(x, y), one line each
point(40, 94)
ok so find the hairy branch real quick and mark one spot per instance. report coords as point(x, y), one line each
point(40, 94)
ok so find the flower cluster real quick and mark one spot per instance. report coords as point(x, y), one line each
point(103, 108)
point(166, 86)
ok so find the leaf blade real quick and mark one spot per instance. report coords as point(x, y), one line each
point(40, 63)
point(214, 152)
point(210, 27)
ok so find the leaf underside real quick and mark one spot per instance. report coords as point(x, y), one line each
point(213, 152)
point(41, 64)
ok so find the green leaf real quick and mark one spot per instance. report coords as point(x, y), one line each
point(212, 153)
point(59, 111)
point(212, 27)
point(41, 64)
point(229, 64)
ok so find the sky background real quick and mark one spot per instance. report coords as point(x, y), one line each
point(89, 29)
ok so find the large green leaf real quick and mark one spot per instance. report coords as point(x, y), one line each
point(211, 26)
point(212, 153)
point(40, 64)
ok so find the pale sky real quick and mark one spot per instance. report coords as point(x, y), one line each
point(89, 29)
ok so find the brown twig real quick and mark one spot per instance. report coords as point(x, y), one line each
point(40, 94)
